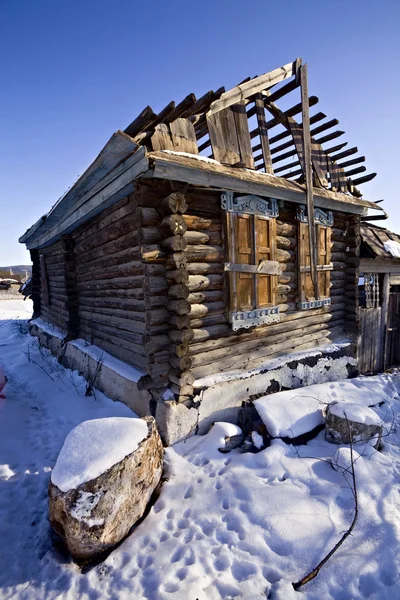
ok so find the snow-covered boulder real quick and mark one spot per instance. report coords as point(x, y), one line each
point(104, 477)
point(345, 422)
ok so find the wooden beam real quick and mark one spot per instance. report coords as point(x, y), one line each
point(314, 131)
point(352, 161)
point(180, 108)
point(348, 152)
point(262, 126)
point(249, 88)
point(146, 117)
point(309, 178)
point(281, 136)
point(364, 179)
point(354, 171)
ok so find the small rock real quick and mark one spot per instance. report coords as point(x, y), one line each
point(345, 422)
point(94, 516)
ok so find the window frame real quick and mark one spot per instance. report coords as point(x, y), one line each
point(256, 208)
point(323, 220)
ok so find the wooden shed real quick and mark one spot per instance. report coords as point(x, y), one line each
point(379, 299)
point(184, 252)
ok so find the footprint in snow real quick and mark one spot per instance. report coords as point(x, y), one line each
point(188, 492)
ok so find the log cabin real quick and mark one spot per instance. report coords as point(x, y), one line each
point(209, 255)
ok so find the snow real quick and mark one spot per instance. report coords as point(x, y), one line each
point(355, 412)
point(393, 248)
point(224, 526)
point(127, 371)
point(195, 156)
point(290, 413)
point(95, 446)
point(49, 328)
point(84, 505)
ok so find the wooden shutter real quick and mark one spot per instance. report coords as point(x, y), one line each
point(244, 255)
point(306, 288)
point(265, 245)
point(253, 267)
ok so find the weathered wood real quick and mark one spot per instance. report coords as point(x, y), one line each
point(177, 276)
point(263, 133)
point(200, 282)
point(174, 243)
point(203, 237)
point(181, 378)
point(179, 321)
point(196, 223)
point(203, 252)
point(173, 224)
point(174, 203)
point(183, 136)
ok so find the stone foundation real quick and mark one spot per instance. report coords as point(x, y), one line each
point(216, 398)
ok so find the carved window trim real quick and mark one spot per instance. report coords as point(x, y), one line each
point(260, 209)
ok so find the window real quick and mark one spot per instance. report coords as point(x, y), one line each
point(323, 225)
point(252, 267)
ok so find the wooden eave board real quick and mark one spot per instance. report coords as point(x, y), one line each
point(108, 191)
point(194, 170)
point(118, 148)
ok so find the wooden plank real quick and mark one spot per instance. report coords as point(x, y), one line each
point(249, 88)
point(267, 267)
point(243, 135)
point(161, 138)
point(223, 137)
point(309, 177)
point(262, 127)
point(183, 136)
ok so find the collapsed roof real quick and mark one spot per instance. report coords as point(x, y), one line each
point(222, 140)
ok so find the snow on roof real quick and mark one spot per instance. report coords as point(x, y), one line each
point(393, 248)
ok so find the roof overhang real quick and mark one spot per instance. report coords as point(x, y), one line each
point(209, 173)
point(81, 204)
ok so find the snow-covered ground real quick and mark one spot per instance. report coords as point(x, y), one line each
point(225, 525)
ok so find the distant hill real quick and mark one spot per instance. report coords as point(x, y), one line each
point(18, 271)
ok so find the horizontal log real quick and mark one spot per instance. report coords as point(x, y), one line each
point(176, 260)
point(183, 363)
point(173, 225)
point(286, 242)
point(149, 235)
point(209, 321)
point(149, 217)
point(180, 307)
point(181, 378)
point(202, 282)
point(198, 253)
point(181, 390)
point(147, 382)
point(178, 291)
point(114, 283)
point(172, 204)
point(201, 310)
point(285, 255)
point(118, 318)
point(154, 285)
point(200, 335)
point(177, 276)
point(129, 240)
point(289, 322)
point(196, 223)
point(205, 296)
point(101, 273)
point(203, 237)
point(152, 253)
point(179, 350)
point(174, 243)
point(180, 336)
point(259, 356)
point(286, 229)
point(130, 341)
point(179, 321)
point(203, 268)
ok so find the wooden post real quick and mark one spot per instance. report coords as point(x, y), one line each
point(309, 178)
point(384, 316)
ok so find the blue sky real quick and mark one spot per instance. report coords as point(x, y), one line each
point(74, 71)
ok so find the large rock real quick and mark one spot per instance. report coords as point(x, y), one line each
point(345, 422)
point(102, 482)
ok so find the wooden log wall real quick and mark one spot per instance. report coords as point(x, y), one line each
point(163, 242)
point(109, 282)
point(214, 346)
point(54, 308)
point(35, 295)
